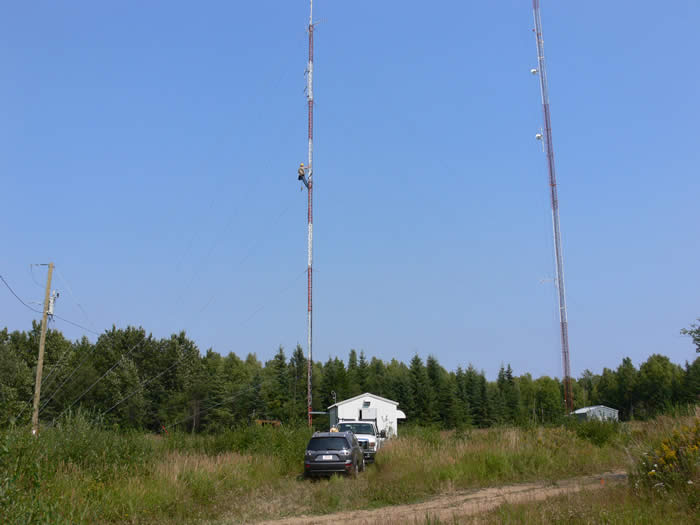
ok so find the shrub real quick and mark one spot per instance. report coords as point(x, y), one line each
point(597, 432)
point(673, 464)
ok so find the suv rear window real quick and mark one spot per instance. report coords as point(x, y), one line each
point(328, 443)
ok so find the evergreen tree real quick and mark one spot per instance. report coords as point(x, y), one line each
point(627, 385)
point(276, 386)
point(208, 393)
point(512, 398)
point(362, 372)
point(461, 392)
point(399, 388)
point(354, 388)
point(475, 387)
point(298, 378)
point(691, 382)
point(422, 392)
point(376, 377)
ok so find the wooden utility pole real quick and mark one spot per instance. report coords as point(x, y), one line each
point(40, 363)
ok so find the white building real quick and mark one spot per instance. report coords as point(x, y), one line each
point(599, 412)
point(368, 407)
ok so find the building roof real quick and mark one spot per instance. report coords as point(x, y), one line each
point(361, 396)
point(585, 410)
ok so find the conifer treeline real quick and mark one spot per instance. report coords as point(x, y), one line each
point(133, 380)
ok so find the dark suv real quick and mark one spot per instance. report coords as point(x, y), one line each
point(333, 452)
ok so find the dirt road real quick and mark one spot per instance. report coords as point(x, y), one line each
point(450, 506)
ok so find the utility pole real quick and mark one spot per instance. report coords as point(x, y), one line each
point(549, 150)
point(305, 174)
point(40, 363)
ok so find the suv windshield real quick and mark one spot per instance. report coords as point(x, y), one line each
point(356, 428)
point(328, 443)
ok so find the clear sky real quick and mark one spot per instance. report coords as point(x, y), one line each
point(149, 149)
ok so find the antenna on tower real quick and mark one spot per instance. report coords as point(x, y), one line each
point(305, 174)
point(549, 150)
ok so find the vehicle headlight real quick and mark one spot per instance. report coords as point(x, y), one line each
point(372, 444)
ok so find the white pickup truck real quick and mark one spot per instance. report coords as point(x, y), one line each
point(367, 435)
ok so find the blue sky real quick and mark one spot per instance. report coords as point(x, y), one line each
point(150, 151)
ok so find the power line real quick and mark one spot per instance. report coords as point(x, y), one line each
point(278, 294)
point(31, 272)
point(248, 252)
point(40, 312)
point(76, 325)
point(18, 297)
point(54, 368)
point(121, 358)
point(260, 308)
point(45, 383)
point(199, 413)
point(58, 389)
point(70, 291)
point(144, 383)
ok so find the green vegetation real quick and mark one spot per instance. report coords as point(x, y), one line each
point(664, 485)
point(672, 464)
point(140, 430)
point(597, 432)
point(79, 472)
point(130, 380)
point(618, 505)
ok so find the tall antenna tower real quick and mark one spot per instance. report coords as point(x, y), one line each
point(306, 176)
point(549, 150)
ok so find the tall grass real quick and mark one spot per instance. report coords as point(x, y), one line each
point(664, 483)
point(80, 473)
point(618, 505)
point(424, 463)
point(30, 466)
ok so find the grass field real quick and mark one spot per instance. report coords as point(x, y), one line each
point(619, 505)
point(77, 473)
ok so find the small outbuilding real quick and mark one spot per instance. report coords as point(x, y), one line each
point(599, 412)
point(368, 407)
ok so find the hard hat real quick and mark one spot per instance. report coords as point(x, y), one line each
point(334, 429)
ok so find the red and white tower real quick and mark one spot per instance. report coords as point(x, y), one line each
point(549, 150)
point(306, 176)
